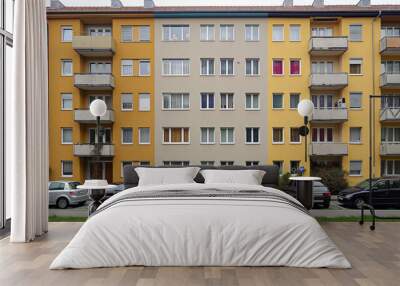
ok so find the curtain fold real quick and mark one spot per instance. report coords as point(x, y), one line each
point(27, 123)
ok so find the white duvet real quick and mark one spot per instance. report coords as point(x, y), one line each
point(202, 232)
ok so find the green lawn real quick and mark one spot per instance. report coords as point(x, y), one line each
point(67, 219)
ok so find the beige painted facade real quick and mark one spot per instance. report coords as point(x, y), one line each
point(195, 84)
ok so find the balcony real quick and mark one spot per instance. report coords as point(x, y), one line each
point(328, 149)
point(390, 114)
point(94, 81)
point(390, 148)
point(84, 116)
point(327, 46)
point(328, 81)
point(89, 150)
point(390, 46)
point(94, 46)
point(390, 80)
point(333, 115)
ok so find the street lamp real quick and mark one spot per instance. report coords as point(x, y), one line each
point(305, 108)
point(98, 108)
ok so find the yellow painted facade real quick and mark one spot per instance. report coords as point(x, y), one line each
point(58, 84)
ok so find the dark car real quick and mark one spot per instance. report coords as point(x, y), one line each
point(385, 192)
point(321, 193)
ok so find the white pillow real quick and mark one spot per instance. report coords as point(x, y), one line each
point(248, 177)
point(166, 176)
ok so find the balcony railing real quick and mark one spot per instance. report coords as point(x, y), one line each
point(390, 114)
point(328, 81)
point(390, 148)
point(94, 81)
point(390, 80)
point(94, 46)
point(84, 116)
point(89, 150)
point(327, 46)
point(334, 114)
point(390, 46)
point(328, 149)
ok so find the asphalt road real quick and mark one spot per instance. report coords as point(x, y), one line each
point(335, 210)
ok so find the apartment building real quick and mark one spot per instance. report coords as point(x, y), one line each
point(220, 86)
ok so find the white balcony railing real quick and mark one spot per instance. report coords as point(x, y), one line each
point(328, 149)
point(330, 114)
point(328, 46)
point(89, 150)
point(94, 81)
point(84, 116)
point(332, 81)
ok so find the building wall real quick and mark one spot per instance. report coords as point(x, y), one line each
point(194, 84)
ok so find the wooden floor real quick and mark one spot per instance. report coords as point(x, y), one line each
point(375, 257)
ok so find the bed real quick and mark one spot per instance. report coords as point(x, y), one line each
point(197, 224)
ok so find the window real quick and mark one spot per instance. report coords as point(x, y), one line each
point(66, 168)
point(227, 163)
point(355, 33)
point(322, 32)
point(279, 164)
point(252, 101)
point(100, 67)
point(176, 101)
point(66, 34)
point(176, 33)
point(207, 163)
point(355, 66)
point(106, 98)
point(252, 163)
point(144, 135)
point(144, 102)
point(227, 33)
point(144, 67)
point(227, 135)
point(322, 135)
point(277, 33)
point(294, 100)
point(126, 101)
point(355, 168)
point(252, 33)
point(126, 67)
point(227, 101)
point(227, 67)
point(322, 67)
point(294, 33)
point(252, 66)
point(206, 32)
point(127, 135)
point(294, 135)
point(207, 135)
point(123, 164)
point(391, 31)
point(277, 100)
point(295, 67)
point(277, 67)
point(390, 67)
point(207, 100)
point(277, 135)
point(207, 66)
point(98, 31)
point(176, 135)
point(126, 34)
point(294, 167)
point(105, 137)
point(390, 134)
point(176, 163)
point(390, 101)
point(66, 135)
point(323, 101)
point(252, 135)
point(66, 67)
point(66, 101)
point(355, 99)
point(176, 67)
point(144, 33)
point(390, 167)
point(355, 134)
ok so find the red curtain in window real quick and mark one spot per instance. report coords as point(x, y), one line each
point(277, 67)
point(295, 67)
point(314, 135)
point(329, 135)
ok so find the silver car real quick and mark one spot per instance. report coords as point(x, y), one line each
point(64, 193)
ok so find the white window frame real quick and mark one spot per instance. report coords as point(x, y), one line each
point(273, 35)
point(208, 28)
point(252, 142)
point(250, 28)
point(291, 26)
point(208, 100)
point(361, 97)
point(170, 136)
point(227, 60)
point(227, 95)
point(283, 136)
point(355, 142)
point(123, 163)
point(252, 62)
point(140, 107)
point(170, 94)
point(361, 33)
point(356, 61)
point(290, 136)
point(283, 67)
point(122, 135)
point(355, 175)
point(290, 100)
point(233, 135)
point(141, 33)
point(62, 168)
point(62, 67)
point(325, 134)
point(290, 66)
point(182, 33)
point(227, 163)
point(62, 101)
point(169, 62)
point(225, 33)
point(140, 67)
point(63, 129)
point(283, 100)
point(208, 66)
point(140, 135)
point(123, 95)
point(63, 28)
point(252, 95)
point(124, 64)
point(123, 27)
point(210, 139)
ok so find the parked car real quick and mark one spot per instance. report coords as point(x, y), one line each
point(321, 193)
point(112, 191)
point(65, 193)
point(385, 192)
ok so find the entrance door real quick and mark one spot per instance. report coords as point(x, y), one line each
point(101, 170)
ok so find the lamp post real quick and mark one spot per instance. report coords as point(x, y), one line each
point(305, 108)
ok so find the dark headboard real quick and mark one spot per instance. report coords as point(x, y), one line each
point(270, 179)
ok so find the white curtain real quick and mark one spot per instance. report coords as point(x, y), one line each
point(27, 124)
